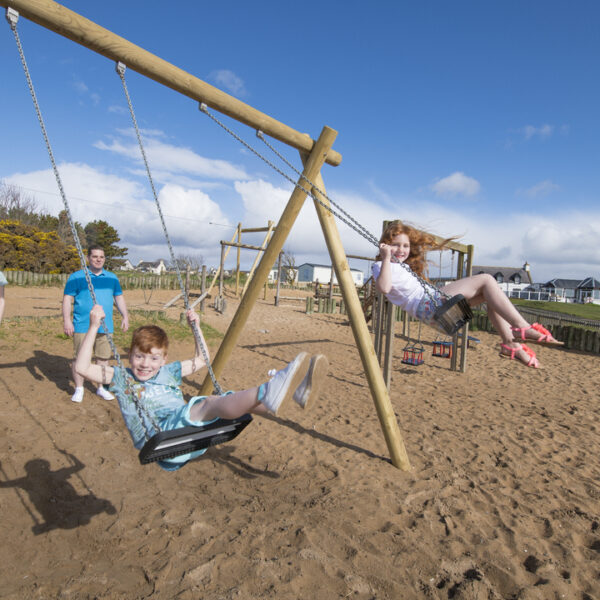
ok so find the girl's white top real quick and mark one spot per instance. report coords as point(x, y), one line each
point(406, 290)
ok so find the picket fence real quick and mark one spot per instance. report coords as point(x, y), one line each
point(128, 282)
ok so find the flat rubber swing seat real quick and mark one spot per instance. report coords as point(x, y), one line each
point(167, 444)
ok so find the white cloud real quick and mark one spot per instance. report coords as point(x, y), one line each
point(127, 206)
point(229, 81)
point(117, 109)
point(543, 188)
point(175, 159)
point(80, 87)
point(543, 132)
point(457, 184)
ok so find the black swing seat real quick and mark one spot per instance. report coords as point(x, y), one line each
point(167, 444)
point(453, 314)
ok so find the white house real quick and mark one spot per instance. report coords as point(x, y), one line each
point(510, 279)
point(288, 275)
point(573, 290)
point(126, 266)
point(157, 267)
point(310, 273)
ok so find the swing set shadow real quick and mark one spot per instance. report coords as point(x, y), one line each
point(56, 501)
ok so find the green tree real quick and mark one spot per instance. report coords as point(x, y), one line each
point(104, 235)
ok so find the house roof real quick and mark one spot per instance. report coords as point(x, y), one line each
point(508, 273)
point(590, 283)
point(150, 263)
point(562, 283)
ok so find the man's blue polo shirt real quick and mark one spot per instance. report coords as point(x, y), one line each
point(106, 287)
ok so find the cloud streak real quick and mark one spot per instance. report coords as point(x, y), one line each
point(229, 81)
point(456, 184)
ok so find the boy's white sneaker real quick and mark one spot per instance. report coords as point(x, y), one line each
point(78, 395)
point(104, 393)
point(284, 382)
point(310, 385)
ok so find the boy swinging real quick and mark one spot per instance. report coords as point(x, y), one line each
point(157, 386)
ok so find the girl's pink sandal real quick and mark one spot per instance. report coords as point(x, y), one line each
point(546, 337)
point(533, 361)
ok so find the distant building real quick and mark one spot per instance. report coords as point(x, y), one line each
point(510, 279)
point(157, 267)
point(126, 266)
point(588, 291)
point(310, 272)
point(573, 290)
point(288, 275)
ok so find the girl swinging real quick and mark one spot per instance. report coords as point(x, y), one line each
point(401, 243)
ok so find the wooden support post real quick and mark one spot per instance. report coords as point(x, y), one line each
point(389, 344)
point(465, 331)
point(218, 272)
point(222, 270)
point(378, 326)
point(288, 217)
point(331, 276)
point(203, 287)
point(237, 264)
point(278, 278)
point(257, 257)
point(379, 393)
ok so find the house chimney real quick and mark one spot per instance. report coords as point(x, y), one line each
point(527, 270)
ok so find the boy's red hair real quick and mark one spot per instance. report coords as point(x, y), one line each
point(146, 337)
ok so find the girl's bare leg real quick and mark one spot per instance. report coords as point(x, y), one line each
point(230, 406)
point(501, 311)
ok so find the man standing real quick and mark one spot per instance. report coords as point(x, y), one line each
point(107, 290)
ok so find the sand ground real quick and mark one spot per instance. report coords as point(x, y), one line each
point(502, 502)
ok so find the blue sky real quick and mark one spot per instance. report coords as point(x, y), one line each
point(475, 119)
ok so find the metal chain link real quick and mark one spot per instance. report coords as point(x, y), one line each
point(120, 68)
point(428, 287)
point(355, 224)
point(12, 17)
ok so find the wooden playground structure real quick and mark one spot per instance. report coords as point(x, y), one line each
point(385, 315)
point(313, 154)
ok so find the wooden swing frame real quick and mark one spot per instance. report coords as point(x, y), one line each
point(314, 154)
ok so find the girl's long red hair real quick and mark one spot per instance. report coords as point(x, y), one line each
point(421, 242)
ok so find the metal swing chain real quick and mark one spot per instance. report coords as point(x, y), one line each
point(120, 68)
point(350, 221)
point(12, 17)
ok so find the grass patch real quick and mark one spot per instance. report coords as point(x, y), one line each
point(49, 329)
point(582, 311)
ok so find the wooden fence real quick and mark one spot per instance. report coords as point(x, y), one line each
point(128, 281)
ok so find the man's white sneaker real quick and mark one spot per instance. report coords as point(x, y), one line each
point(284, 382)
point(104, 393)
point(78, 395)
point(310, 385)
